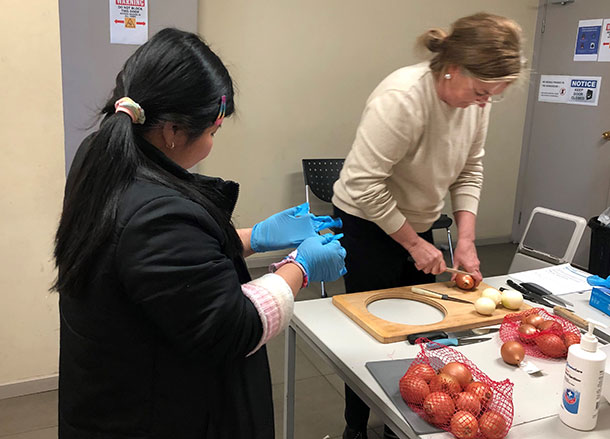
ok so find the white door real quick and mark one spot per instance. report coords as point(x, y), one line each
point(565, 163)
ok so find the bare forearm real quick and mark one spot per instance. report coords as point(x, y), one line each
point(244, 236)
point(466, 224)
point(293, 277)
point(405, 236)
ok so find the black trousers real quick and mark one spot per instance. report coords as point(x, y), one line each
point(374, 261)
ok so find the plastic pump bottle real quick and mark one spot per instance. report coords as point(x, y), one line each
point(582, 383)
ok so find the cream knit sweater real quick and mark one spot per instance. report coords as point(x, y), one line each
point(410, 149)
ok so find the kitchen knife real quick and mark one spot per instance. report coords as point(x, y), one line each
point(455, 342)
point(580, 322)
point(436, 295)
point(435, 335)
point(456, 271)
point(539, 290)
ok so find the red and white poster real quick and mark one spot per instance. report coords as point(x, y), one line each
point(128, 21)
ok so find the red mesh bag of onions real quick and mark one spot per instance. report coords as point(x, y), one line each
point(543, 335)
point(449, 391)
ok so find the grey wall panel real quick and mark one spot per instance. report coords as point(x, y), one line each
point(90, 63)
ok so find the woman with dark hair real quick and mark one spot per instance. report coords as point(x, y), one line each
point(421, 137)
point(162, 329)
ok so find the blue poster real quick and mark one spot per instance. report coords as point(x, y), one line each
point(587, 40)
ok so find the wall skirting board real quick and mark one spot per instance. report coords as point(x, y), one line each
point(29, 386)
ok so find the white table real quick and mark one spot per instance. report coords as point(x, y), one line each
point(347, 348)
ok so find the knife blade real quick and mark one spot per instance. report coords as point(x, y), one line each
point(539, 290)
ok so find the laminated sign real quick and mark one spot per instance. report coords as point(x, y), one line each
point(128, 21)
point(580, 90)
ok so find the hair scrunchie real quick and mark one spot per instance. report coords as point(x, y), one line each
point(132, 108)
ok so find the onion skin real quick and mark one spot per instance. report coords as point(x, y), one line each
point(569, 338)
point(482, 391)
point(550, 324)
point(551, 345)
point(464, 281)
point(459, 371)
point(527, 332)
point(492, 425)
point(512, 352)
point(533, 319)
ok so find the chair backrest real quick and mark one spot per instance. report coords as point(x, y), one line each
point(536, 250)
point(320, 175)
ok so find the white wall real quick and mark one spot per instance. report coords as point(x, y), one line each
point(31, 182)
point(303, 72)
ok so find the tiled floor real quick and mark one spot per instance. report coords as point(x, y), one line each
point(319, 392)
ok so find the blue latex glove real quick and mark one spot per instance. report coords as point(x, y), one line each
point(289, 228)
point(322, 257)
point(597, 281)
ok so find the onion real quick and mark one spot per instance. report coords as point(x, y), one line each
point(445, 383)
point(552, 325)
point(413, 389)
point(512, 352)
point(459, 371)
point(533, 319)
point(493, 294)
point(526, 332)
point(464, 425)
point(512, 299)
point(464, 281)
point(485, 306)
point(439, 408)
point(469, 402)
point(492, 425)
point(482, 391)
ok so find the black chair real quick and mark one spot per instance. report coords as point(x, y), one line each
point(321, 174)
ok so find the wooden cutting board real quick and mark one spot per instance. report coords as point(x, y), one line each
point(458, 316)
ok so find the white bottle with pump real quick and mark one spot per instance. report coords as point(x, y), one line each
point(582, 383)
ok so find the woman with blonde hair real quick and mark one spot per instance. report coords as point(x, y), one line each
point(421, 136)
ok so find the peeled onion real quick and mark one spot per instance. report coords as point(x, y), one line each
point(493, 294)
point(512, 299)
point(485, 306)
point(512, 352)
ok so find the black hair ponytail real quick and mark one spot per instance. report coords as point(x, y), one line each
point(174, 77)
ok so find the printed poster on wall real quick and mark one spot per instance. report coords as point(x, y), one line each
point(604, 43)
point(128, 21)
point(579, 90)
point(587, 40)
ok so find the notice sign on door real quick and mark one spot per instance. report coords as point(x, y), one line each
point(128, 21)
point(579, 90)
point(587, 40)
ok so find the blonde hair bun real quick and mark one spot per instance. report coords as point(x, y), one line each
point(487, 46)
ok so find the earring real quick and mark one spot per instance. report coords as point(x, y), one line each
point(447, 75)
point(170, 147)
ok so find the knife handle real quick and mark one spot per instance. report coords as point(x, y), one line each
point(432, 335)
point(426, 293)
point(569, 315)
point(442, 342)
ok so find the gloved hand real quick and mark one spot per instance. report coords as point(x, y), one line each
point(322, 257)
point(289, 228)
point(597, 281)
